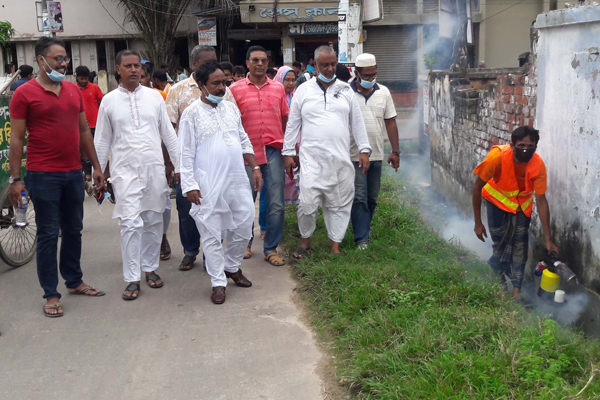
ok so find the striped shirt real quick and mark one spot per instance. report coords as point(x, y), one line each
point(262, 110)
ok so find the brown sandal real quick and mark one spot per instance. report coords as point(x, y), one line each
point(275, 259)
point(248, 253)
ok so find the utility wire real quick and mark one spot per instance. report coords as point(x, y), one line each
point(500, 12)
point(109, 14)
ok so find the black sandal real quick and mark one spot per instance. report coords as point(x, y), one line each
point(154, 278)
point(300, 253)
point(132, 287)
point(187, 263)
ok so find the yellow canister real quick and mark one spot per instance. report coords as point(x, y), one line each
point(550, 281)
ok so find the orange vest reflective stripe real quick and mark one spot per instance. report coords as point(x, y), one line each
point(506, 194)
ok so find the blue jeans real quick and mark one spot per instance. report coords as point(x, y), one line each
point(262, 209)
point(366, 192)
point(58, 200)
point(188, 231)
point(273, 180)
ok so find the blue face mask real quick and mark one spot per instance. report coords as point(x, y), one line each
point(327, 80)
point(214, 99)
point(367, 84)
point(54, 75)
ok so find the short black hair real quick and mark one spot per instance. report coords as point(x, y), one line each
point(25, 70)
point(126, 52)
point(522, 132)
point(82, 70)
point(253, 49)
point(179, 69)
point(238, 69)
point(148, 68)
point(271, 71)
point(297, 64)
point(163, 66)
point(205, 71)
point(43, 45)
point(159, 74)
point(343, 73)
point(226, 65)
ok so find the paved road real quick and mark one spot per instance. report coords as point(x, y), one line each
point(171, 343)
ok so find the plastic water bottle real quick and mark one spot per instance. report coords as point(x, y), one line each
point(21, 211)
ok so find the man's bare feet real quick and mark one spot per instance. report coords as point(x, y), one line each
point(54, 310)
point(87, 290)
point(335, 248)
point(516, 292)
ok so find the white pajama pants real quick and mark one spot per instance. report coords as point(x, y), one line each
point(336, 218)
point(141, 237)
point(218, 260)
point(167, 215)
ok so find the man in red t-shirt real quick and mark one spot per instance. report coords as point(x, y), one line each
point(52, 112)
point(92, 96)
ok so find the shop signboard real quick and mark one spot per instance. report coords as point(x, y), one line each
point(327, 28)
point(207, 31)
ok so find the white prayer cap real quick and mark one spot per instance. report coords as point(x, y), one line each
point(366, 60)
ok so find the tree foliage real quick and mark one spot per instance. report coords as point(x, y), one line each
point(6, 32)
point(157, 20)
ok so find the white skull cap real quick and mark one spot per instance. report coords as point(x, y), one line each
point(366, 60)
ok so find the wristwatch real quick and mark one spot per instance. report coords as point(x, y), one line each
point(396, 152)
point(11, 180)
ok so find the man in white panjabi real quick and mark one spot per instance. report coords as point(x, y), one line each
point(131, 123)
point(213, 148)
point(326, 111)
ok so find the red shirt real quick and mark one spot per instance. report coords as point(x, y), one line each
point(262, 110)
point(52, 123)
point(91, 96)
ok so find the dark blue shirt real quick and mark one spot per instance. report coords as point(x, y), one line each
point(18, 83)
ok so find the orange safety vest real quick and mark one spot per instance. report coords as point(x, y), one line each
point(506, 194)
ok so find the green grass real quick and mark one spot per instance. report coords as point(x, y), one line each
point(413, 317)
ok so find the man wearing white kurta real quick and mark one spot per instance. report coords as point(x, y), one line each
point(213, 147)
point(326, 111)
point(131, 123)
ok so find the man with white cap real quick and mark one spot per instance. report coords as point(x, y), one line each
point(328, 114)
point(379, 114)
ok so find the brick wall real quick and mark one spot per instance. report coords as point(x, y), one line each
point(469, 113)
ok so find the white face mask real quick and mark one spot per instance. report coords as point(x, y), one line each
point(53, 74)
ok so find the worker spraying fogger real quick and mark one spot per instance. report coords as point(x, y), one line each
point(508, 178)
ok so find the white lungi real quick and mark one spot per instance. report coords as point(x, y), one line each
point(140, 244)
point(167, 215)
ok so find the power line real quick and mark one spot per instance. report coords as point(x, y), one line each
point(109, 14)
point(500, 12)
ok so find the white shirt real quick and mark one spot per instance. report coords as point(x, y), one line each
point(212, 145)
point(376, 108)
point(130, 127)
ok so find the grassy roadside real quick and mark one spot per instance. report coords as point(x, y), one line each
point(415, 318)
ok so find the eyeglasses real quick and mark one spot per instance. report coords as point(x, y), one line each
point(60, 59)
point(259, 61)
point(290, 80)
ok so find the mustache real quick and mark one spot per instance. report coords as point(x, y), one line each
point(220, 93)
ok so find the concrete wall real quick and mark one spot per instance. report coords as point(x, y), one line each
point(504, 31)
point(569, 123)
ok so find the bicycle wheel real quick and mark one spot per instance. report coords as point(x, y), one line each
point(17, 244)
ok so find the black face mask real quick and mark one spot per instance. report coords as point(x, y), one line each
point(524, 155)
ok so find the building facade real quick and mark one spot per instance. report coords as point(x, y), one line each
point(94, 31)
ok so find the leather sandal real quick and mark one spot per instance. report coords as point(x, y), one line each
point(248, 253)
point(152, 276)
point(275, 259)
point(187, 263)
point(132, 287)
